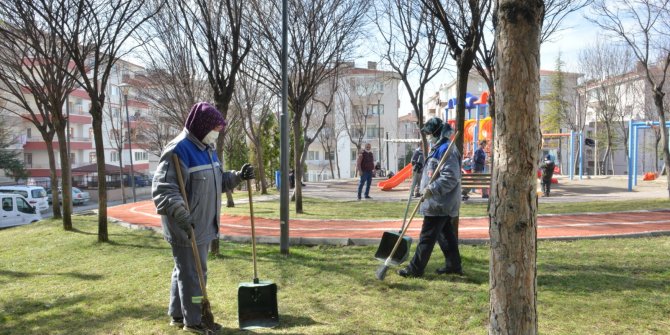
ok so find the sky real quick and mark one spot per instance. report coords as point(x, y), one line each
point(576, 35)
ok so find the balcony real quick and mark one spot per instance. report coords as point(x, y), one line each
point(76, 143)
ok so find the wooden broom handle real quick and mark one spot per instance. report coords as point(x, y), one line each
point(194, 246)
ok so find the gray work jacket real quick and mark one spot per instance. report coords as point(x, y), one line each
point(204, 179)
point(446, 188)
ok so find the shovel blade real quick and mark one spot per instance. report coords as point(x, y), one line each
point(386, 245)
point(257, 305)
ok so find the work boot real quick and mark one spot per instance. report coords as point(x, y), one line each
point(177, 322)
point(201, 329)
point(408, 273)
point(449, 270)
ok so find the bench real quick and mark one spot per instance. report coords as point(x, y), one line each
point(475, 180)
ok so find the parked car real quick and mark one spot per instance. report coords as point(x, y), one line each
point(16, 210)
point(79, 197)
point(35, 195)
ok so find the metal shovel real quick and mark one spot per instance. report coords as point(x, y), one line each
point(257, 300)
point(389, 239)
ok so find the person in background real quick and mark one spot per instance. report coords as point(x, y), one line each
point(547, 168)
point(466, 168)
point(204, 181)
point(479, 159)
point(417, 168)
point(364, 166)
point(440, 205)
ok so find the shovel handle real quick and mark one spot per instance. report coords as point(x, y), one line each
point(416, 208)
point(194, 246)
point(253, 231)
point(409, 201)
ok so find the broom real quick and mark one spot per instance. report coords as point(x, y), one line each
point(381, 271)
point(206, 309)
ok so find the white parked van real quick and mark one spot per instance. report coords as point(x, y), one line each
point(35, 195)
point(15, 211)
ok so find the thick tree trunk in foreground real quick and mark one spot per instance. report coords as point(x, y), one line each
point(513, 209)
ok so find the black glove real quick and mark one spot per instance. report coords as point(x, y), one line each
point(417, 167)
point(247, 172)
point(183, 220)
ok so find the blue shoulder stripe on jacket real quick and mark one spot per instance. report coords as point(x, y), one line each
point(191, 155)
point(437, 154)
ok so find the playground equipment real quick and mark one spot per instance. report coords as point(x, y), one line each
point(478, 125)
point(398, 178)
point(633, 128)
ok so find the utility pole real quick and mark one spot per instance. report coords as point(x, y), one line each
point(126, 88)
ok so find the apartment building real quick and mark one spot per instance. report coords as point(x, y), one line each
point(116, 126)
point(365, 110)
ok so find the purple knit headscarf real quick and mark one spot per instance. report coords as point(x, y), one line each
point(202, 119)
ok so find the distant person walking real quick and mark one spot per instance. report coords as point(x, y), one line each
point(365, 164)
point(417, 169)
point(480, 163)
point(547, 168)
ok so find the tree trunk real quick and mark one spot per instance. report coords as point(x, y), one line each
point(658, 101)
point(513, 209)
point(230, 202)
point(261, 169)
point(297, 153)
point(123, 186)
point(65, 169)
point(96, 113)
point(55, 198)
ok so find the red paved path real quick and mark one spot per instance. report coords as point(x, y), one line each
point(549, 226)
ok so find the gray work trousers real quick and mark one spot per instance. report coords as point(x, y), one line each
point(185, 284)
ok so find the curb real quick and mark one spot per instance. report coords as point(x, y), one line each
point(343, 241)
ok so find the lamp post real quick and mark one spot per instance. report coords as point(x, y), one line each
point(379, 95)
point(126, 88)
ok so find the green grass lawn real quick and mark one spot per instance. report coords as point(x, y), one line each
point(57, 282)
point(328, 209)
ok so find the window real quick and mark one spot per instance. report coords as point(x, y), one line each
point(379, 86)
point(331, 155)
point(116, 112)
point(115, 90)
point(38, 193)
point(373, 132)
point(72, 158)
point(141, 156)
point(356, 132)
point(7, 204)
point(28, 159)
point(114, 157)
point(90, 133)
point(91, 158)
point(354, 155)
point(376, 109)
point(313, 155)
point(71, 132)
point(23, 206)
point(29, 132)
